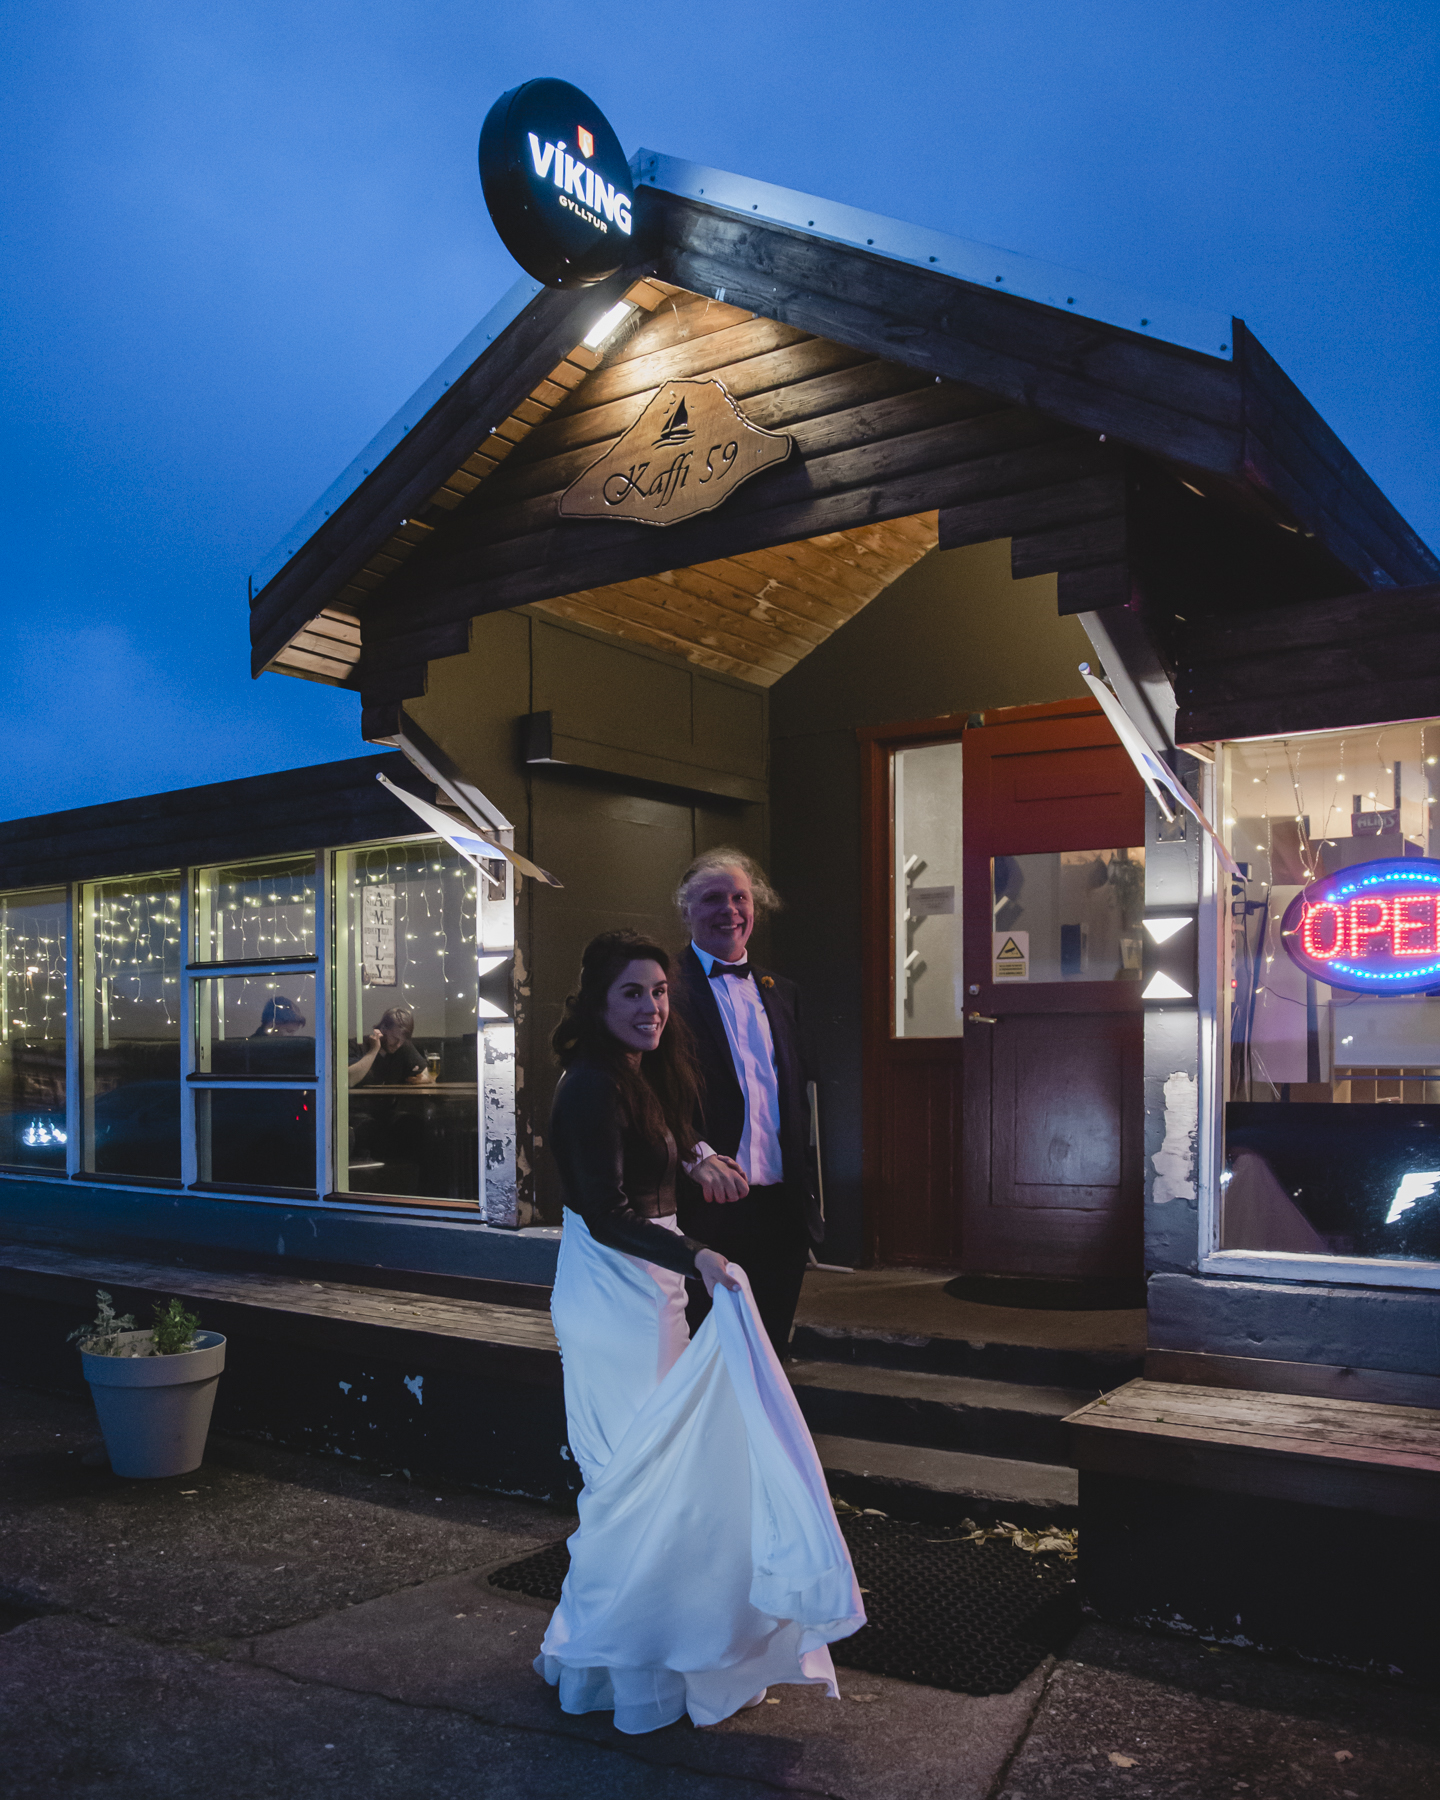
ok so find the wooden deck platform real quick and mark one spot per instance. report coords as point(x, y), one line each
point(1318, 1452)
point(450, 1332)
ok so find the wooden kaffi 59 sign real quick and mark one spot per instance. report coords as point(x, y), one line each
point(1373, 928)
point(686, 453)
point(557, 184)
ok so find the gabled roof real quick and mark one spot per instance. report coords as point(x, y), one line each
point(1191, 389)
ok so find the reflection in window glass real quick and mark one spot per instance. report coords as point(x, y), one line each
point(256, 910)
point(33, 970)
point(1069, 915)
point(256, 1137)
point(131, 1048)
point(407, 1099)
point(1332, 1126)
point(255, 1025)
point(929, 977)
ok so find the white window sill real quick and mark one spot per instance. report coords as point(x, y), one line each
point(1347, 1271)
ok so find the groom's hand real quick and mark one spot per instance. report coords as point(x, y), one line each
point(720, 1178)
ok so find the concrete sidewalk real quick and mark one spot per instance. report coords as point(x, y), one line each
point(280, 1625)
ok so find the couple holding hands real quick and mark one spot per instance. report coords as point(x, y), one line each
point(708, 1562)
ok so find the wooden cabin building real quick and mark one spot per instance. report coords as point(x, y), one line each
point(860, 663)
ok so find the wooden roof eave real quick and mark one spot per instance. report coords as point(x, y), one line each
point(494, 384)
point(1241, 425)
point(1243, 421)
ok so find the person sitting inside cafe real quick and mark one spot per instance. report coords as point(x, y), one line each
point(281, 1018)
point(391, 1059)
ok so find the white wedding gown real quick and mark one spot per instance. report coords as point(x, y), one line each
point(708, 1563)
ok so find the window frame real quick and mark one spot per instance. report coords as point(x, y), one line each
point(19, 1171)
point(194, 1082)
point(1212, 1076)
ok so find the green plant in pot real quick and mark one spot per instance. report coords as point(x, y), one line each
point(153, 1390)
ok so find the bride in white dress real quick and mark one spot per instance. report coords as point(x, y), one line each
point(708, 1563)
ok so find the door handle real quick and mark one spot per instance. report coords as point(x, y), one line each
point(981, 1019)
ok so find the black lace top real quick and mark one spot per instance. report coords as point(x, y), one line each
point(617, 1179)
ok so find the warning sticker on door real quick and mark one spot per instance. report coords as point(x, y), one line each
point(1012, 955)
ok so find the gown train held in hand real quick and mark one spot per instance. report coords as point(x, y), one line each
point(708, 1563)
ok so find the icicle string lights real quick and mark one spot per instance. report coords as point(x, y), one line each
point(262, 910)
point(434, 924)
point(137, 955)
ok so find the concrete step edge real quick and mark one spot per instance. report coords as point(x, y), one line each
point(923, 1387)
point(948, 1484)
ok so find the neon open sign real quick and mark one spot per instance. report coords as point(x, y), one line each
point(1371, 929)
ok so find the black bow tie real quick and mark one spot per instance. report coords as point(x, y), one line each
point(740, 969)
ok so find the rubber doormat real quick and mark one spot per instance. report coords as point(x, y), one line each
point(972, 1618)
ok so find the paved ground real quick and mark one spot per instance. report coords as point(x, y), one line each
point(278, 1625)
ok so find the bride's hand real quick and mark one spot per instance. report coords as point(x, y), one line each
point(714, 1271)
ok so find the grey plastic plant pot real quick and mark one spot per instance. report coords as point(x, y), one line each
point(155, 1410)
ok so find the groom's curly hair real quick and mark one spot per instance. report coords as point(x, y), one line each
point(726, 856)
point(666, 1089)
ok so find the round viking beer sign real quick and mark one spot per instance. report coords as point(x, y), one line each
point(1370, 929)
point(557, 184)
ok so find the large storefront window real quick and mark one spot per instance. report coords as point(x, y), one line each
point(131, 1041)
point(34, 966)
point(1332, 995)
point(407, 1091)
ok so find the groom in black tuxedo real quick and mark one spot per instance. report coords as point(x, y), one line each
point(751, 1192)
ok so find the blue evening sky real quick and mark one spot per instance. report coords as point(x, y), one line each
point(237, 237)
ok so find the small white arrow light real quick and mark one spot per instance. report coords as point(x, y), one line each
point(1162, 930)
point(1163, 988)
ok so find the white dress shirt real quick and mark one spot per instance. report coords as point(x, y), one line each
point(752, 1049)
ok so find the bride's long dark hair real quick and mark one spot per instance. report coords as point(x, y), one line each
point(665, 1091)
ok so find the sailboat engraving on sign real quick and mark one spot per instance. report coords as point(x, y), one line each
point(687, 453)
point(676, 429)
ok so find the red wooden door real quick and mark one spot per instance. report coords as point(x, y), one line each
point(1054, 887)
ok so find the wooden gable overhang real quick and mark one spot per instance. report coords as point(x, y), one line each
point(924, 408)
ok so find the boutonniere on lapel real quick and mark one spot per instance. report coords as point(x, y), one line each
point(767, 981)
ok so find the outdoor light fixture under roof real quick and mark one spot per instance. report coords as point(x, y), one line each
point(608, 324)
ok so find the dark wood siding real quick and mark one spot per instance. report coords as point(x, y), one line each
point(1357, 660)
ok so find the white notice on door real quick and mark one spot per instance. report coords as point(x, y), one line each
point(927, 902)
point(1012, 955)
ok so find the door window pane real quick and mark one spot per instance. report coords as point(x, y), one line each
point(407, 1100)
point(1332, 1122)
point(1068, 915)
point(131, 936)
point(257, 910)
point(256, 1025)
point(929, 970)
point(256, 1137)
point(33, 972)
